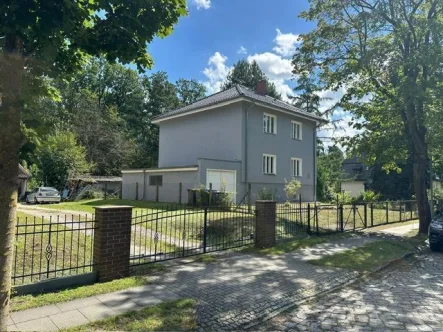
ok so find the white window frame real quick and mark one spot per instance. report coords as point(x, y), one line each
point(265, 125)
point(300, 132)
point(269, 168)
point(300, 167)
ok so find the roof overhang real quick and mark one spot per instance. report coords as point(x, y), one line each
point(316, 119)
point(161, 170)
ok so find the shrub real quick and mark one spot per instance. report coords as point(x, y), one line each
point(343, 198)
point(266, 194)
point(369, 196)
point(291, 189)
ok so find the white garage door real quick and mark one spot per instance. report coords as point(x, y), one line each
point(218, 176)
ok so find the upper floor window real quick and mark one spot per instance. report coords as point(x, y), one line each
point(296, 167)
point(296, 130)
point(269, 123)
point(269, 164)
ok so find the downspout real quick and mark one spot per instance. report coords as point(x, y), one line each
point(246, 141)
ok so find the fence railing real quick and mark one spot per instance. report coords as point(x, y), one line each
point(175, 231)
point(52, 247)
point(300, 218)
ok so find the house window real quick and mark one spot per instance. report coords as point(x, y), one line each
point(296, 130)
point(296, 167)
point(156, 180)
point(269, 164)
point(269, 123)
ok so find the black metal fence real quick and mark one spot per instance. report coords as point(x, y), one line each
point(301, 218)
point(52, 247)
point(176, 231)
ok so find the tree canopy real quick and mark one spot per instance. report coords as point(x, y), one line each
point(386, 55)
point(44, 39)
point(249, 74)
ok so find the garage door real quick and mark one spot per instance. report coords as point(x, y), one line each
point(218, 176)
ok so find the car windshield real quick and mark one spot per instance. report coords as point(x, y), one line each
point(48, 189)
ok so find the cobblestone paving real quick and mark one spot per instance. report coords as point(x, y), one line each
point(406, 298)
point(239, 290)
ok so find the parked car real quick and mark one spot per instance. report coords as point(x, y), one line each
point(436, 232)
point(43, 195)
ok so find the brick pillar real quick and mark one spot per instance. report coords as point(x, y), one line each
point(265, 224)
point(112, 240)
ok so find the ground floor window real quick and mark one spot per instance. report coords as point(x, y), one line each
point(156, 180)
point(269, 164)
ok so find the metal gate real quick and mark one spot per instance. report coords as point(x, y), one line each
point(176, 231)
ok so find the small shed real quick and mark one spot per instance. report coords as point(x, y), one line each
point(22, 182)
point(110, 184)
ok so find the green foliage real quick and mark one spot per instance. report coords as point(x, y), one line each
point(266, 194)
point(61, 156)
point(393, 185)
point(388, 55)
point(291, 189)
point(330, 168)
point(189, 91)
point(370, 196)
point(249, 74)
point(343, 198)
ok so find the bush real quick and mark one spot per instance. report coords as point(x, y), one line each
point(343, 198)
point(266, 194)
point(369, 196)
point(291, 189)
point(91, 194)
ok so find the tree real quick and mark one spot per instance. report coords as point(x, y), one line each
point(330, 169)
point(161, 97)
point(43, 38)
point(189, 91)
point(386, 55)
point(249, 74)
point(61, 156)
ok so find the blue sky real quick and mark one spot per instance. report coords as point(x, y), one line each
point(218, 33)
point(225, 27)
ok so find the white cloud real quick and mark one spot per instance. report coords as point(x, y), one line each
point(277, 69)
point(273, 65)
point(286, 43)
point(242, 50)
point(216, 72)
point(205, 4)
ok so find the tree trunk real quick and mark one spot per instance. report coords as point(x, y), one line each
point(424, 211)
point(11, 69)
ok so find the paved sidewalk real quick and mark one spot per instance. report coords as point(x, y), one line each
point(82, 311)
point(407, 298)
point(232, 293)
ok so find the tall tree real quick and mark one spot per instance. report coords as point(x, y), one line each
point(44, 38)
point(161, 97)
point(189, 91)
point(387, 54)
point(249, 74)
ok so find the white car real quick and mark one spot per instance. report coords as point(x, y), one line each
point(43, 195)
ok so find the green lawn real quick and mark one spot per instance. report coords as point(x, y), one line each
point(224, 225)
point(367, 257)
point(177, 315)
point(32, 301)
point(42, 246)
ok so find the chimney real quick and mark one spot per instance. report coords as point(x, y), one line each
point(261, 88)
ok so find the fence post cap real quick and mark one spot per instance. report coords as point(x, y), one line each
point(113, 207)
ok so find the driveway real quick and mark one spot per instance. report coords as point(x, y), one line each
point(407, 298)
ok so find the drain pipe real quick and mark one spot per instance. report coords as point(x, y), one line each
point(246, 141)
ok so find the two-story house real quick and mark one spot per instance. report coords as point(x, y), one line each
point(240, 137)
